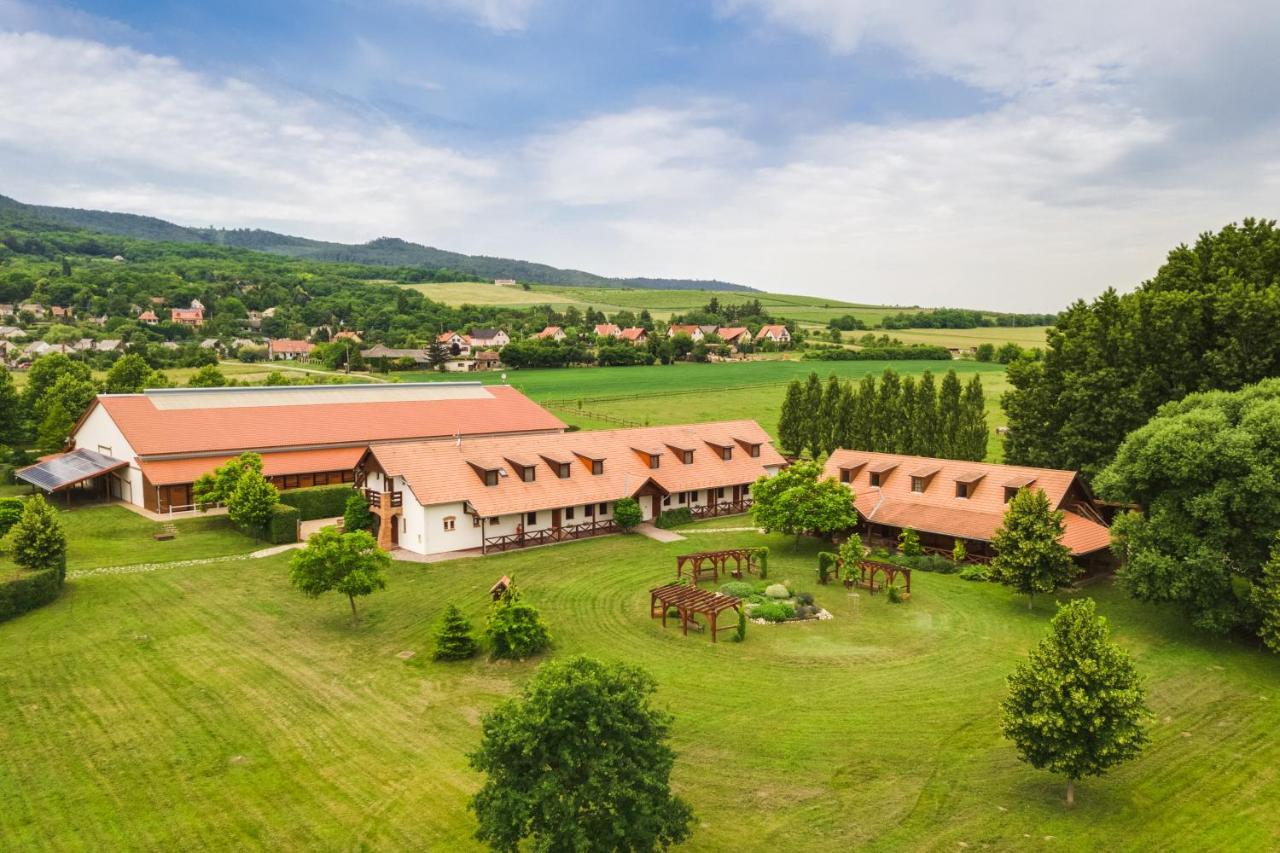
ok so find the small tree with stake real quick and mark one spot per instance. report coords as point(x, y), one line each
point(1029, 556)
point(454, 640)
point(1075, 706)
point(349, 563)
point(627, 514)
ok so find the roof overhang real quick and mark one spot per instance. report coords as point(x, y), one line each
point(66, 469)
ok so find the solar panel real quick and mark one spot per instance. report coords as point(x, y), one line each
point(68, 469)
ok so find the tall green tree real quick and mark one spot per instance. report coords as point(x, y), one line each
point(828, 427)
point(347, 563)
point(865, 414)
point(1030, 556)
point(972, 430)
point(10, 410)
point(1076, 706)
point(949, 396)
point(906, 442)
point(252, 501)
point(128, 375)
point(55, 429)
point(799, 500)
point(846, 415)
point(1202, 473)
point(926, 429)
point(813, 439)
point(1266, 599)
point(216, 486)
point(791, 423)
point(70, 392)
point(45, 371)
point(580, 761)
point(886, 428)
point(37, 541)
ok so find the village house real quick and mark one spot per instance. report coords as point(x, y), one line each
point(148, 318)
point(692, 331)
point(488, 360)
point(945, 499)
point(286, 349)
point(635, 335)
point(35, 309)
point(187, 316)
point(381, 351)
point(554, 333)
point(148, 449)
point(110, 345)
point(456, 345)
point(510, 491)
point(776, 333)
point(505, 282)
point(58, 312)
point(735, 335)
point(489, 338)
point(347, 336)
point(607, 330)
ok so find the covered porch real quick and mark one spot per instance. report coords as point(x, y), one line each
point(76, 478)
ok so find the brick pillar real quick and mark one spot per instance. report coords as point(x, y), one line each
point(386, 519)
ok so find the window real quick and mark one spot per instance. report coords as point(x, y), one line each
point(654, 460)
point(530, 518)
point(720, 493)
point(1009, 492)
point(917, 484)
point(104, 449)
point(755, 451)
point(496, 521)
point(404, 524)
point(604, 509)
point(846, 476)
point(568, 514)
point(475, 521)
point(591, 510)
point(491, 478)
point(962, 490)
point(683, 498)
point(563, 471)
point(688, 457)
point(449, 523)
point(666, 500)
point(874, 478)
point(528, 473)
point(726, 453)
point(597, 466)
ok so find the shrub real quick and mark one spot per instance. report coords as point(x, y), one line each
point(318, 501)
point(775, 611)
point(826, 562)
point(762, 562)
point(29, 590)
point(777, 590)
point(975, 572)
point(738, 589)
point(674, 517)
point(895, 594)
point(249, 506)
point(909, 543)
point(356, 515)
point(6, 473)
point(282, 526)
point(516, 630)
point(741, 633)
point(806, 611)
point(454, 640)
point(37, 540)
point(958, 553)
point(929, 563)
point(10, 512)
point(627, 514)
point(804, 599)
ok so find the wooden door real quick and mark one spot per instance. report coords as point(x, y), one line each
point(555, 518)
point(657, 505)
point(395, 529)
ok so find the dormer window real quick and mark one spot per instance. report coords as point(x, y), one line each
point(726, 453)
point(962, 490)
point(1012, 486)
point(1009, 493)
point(754, 450)
point(921, 476)
point(597, 466)
point(687, 457)
point(528, 473)
point(846, 476)
point(967, 484)
point(655, 460)
point(491, 477)
point(563, 470)
point(918, 484)
point(874, 478)
point(878, 473)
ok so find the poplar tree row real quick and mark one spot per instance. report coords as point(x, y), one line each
point(893, 415)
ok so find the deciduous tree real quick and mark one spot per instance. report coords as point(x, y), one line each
point(627, 514)
point(1029, 554)
point(579, 762)
point(1076, 706)
point(799, 500)
point(252, 501)
point(347, 563)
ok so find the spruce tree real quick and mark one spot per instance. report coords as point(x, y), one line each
point(1029, 554)
point(1076, 705)
point(907, 425)
point(888, 415)
point(926, 417)
point(973, 422)
point(812, 424)
point(843, 434)
point(948, 415)
point(37, 541)
point(791, 421)
point(454, 640)
point(828, 424)
point(861, 431)
point(10, 409)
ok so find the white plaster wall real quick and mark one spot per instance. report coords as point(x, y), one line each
point(412, 519)
point(99, 430)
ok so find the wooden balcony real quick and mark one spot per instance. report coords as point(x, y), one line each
point(547, 535)
point(375, 499)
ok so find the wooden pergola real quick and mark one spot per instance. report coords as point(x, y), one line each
point(689, 601)
point(716, 562)
point(888, 572)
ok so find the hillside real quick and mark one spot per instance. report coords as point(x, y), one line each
point(384, 251)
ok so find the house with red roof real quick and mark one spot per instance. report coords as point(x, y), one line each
point(776, 333)
point(554, 333)
point(148, 318)
point(193, 316)
point(635, 335)
point(286, 349)
point(455, 345)
point(735, 335)
point(607, 330)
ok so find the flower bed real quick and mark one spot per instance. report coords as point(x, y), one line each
point(773, 603)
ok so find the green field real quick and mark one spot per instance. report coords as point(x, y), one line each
point(232, 370)
point(212, 707)
point(1027, 336)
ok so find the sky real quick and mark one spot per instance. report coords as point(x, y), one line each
point(999, 154)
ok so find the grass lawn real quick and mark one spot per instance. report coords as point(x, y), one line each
point(180, 375)
point(112, 536)
point(213, 707)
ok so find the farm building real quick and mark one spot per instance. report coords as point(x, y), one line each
point(148, 449)
point(509, 491)
point(946, 499)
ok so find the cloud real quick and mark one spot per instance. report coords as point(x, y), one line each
point(498, 15)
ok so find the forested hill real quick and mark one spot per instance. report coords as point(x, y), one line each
point(385, 251)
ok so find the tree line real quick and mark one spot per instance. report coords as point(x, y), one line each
point(893, 415)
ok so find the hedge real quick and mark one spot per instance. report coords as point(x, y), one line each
point(318, 501)
point(283, 526)
point(29, 590)
point(673, 517)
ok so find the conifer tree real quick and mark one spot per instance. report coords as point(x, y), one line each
point(37, 541)
point(887, 424)
point(791, 422)
point(812, 405)
point(454, 640)
point(1076, 705)
point(861, 432)
point(948, 415)
point(10, 409)
point(907, 424)
point(1029, 556)
point(843, 434)
point(972, 440)
point(926, 417)
point(828, 424)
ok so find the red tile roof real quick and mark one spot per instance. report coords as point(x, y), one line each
point(186, 313)
point(633, 333)
point(938, 510)
point(609, 330)
point(232, 420)
point(550, 332)
point(164, 472)
point(682, 329)
point(730, 333)
point(287, 345)
point(772, 331)
point(443, 472)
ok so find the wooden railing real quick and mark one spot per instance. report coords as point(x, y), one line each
point(737, 507)
point(547, 535)
point(374, 498)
